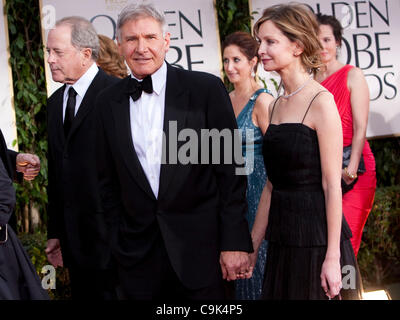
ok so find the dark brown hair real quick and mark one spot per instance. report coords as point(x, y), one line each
point(334, 24)
point(109, 58)
point(298, 23)
point(246, 44)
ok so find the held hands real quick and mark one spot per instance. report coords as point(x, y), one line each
point(235, 265)
point(53, 251)
point(29, 165)
point(331, 277)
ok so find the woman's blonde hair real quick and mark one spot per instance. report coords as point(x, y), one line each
point(299, 24)
point(109, 58)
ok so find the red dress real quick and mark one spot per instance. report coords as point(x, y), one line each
point(357, 203)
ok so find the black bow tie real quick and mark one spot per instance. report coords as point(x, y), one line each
point(136, 88)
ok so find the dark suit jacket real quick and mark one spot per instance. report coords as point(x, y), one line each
point(200, 209)
point(7, 167)
point(75, 214)
point(9, 158)
point(18, 278)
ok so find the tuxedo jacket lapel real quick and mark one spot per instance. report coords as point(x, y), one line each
point(87, 103)
point(58, 122)
point(176, 104)
point(120, 111)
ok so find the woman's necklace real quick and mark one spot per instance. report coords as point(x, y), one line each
point(297, 90)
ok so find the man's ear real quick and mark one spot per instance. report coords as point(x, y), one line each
point(119, 45)
point(87, 55)
point(167, 40)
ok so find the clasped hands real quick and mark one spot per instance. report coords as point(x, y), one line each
point(235, 265)
point(28, 164)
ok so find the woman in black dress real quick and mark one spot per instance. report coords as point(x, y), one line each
point(300, 212)
point(18, 278)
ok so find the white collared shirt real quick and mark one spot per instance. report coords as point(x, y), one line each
point(80, 86)
point(147, 119)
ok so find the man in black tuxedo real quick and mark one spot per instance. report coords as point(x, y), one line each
point(178, 229)
point(18, 165)
point(77, 234)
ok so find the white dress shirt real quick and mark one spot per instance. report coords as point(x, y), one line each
point(80, 87)
point(147, 118)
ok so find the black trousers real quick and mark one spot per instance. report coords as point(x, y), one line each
point(155, 279)
point(89, 283)
point(92, 284)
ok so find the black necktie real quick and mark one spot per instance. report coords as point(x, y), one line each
point(69, 111)
point(136, 88)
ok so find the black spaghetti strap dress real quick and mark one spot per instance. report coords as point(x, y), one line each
point(297, 225)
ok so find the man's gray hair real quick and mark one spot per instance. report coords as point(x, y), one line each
point(137, 11)
point(83, 34)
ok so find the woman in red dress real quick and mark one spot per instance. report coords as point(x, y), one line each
point(351, 94)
